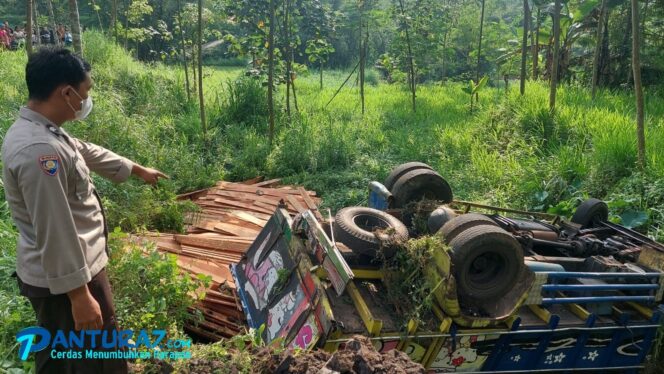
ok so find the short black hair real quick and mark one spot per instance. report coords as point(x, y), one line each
point(50, 67)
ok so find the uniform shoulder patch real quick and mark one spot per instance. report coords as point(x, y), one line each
point(50, 164)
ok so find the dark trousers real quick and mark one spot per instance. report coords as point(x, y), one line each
point(54, 313)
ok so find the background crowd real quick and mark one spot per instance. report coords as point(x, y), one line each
point(15, 38)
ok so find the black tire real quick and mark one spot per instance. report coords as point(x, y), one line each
point(439, 217)
point(590, 212)
point(402, 169)
point(455, 226)
point(486, 262)
point(355, 226)
point(420, 184)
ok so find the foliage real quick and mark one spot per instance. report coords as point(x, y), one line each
point(408, 288)
point(150, 290)
point(16, 312)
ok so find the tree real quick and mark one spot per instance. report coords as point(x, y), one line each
point(411, 63)
point(638, 89)
point(51, 17)
point(556, 55)
point(75, 26)
point(524, 46)
point(319, 50)
point(184, 52)
point(479, 53)
point(28, 31)
point(200, 69)
point(114, 19)
point(270, 74)
point(598, 48)
point(536, 43)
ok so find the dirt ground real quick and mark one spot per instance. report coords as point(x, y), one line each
point(358, 357)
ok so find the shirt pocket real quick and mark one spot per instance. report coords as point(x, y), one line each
point(83, 186)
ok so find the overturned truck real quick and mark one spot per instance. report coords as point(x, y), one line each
point(510, 291)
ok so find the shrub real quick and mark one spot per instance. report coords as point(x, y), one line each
point(150, 291)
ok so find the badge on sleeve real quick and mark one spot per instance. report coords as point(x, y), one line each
point(50, 164)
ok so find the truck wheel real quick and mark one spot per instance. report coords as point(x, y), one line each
point(455, 226)
point(355, 227)
point(402, 169)
point(486, 262)
point(420, 184)
point(591, 212)
point(439, 217)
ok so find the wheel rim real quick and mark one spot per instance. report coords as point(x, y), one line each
point(370, 223)
point(485, 269)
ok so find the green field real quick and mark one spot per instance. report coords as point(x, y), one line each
point(510, 151)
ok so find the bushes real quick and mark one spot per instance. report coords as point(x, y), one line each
point(244, 102)
point(149, 290)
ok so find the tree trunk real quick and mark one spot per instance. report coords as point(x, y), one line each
point(638, 89)
point(625, 68)
point(35, 19)
point(184, 52)
point(287, 56)
point(443, 65)
point(598, 47)
point(75, 26)
point(362, 59)
point(536, 46)
point(94, 5)
point(28, 31)
point(200, 69)
point(51, 16)
point(114, 19)
point(321, 74)
point(479, 52)
point(413, 78)
point(270, 71)
point(556, 56)
point(194, 65)
point(524, 47)
point(126, 23)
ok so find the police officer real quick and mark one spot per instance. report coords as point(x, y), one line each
point(62, 245)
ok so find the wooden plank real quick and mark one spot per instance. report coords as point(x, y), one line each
point(236, 204)
point(256, 190)
point(249, 218)
point(200, 267)
point(310, 204)
point(253, 181)
point(296, 204)
point(218, 244)
point(244, 197)
point(268, 183)
point(235, 230)
point(192, 195)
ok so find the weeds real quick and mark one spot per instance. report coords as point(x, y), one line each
point(408, 289)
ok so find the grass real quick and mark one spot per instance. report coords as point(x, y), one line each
point(510, 151)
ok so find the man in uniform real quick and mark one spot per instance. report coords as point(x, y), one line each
point(62, 246)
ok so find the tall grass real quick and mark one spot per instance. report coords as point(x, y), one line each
point(510, 151)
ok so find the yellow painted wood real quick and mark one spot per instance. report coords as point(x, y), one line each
point(540, 312)
point(372, 324)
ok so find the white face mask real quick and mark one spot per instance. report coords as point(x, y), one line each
point(86, 107)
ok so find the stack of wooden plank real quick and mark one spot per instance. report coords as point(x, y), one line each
point(230, 217)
